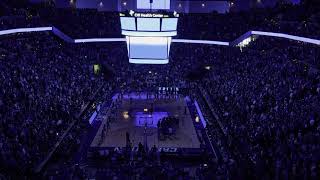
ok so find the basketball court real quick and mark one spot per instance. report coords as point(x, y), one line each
point(139, 115)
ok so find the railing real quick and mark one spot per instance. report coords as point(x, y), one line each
point(205, 97)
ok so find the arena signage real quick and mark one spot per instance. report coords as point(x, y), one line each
point(148, 15)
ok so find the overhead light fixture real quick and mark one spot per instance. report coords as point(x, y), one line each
point(125, 115)
point(197, 119)
point(131, 12)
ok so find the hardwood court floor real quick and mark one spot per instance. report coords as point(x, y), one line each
point(116, 136)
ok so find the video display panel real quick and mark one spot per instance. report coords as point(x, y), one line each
point(148, 24)
point(128, 23)
point(169, 24)
point(156, 4)
point(148, 47)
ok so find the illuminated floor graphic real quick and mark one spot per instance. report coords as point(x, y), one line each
point(149, 119)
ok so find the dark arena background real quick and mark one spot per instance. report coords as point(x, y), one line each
point(160, 89)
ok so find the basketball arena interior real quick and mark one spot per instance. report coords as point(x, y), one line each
point(160, 89)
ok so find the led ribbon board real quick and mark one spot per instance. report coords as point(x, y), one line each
point(148, 36)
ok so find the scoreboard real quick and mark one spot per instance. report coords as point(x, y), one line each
point(142, 23)
point(148, 36)
point(153, 4)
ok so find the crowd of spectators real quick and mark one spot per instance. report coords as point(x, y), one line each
point(124, 163)
point(84, 23)
point(261, 102)
point(301, 20)
point(265, 95)
point(19, 14)
point(45, 83)
point(295, 20)
point(42, 90)
point(267, 98)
